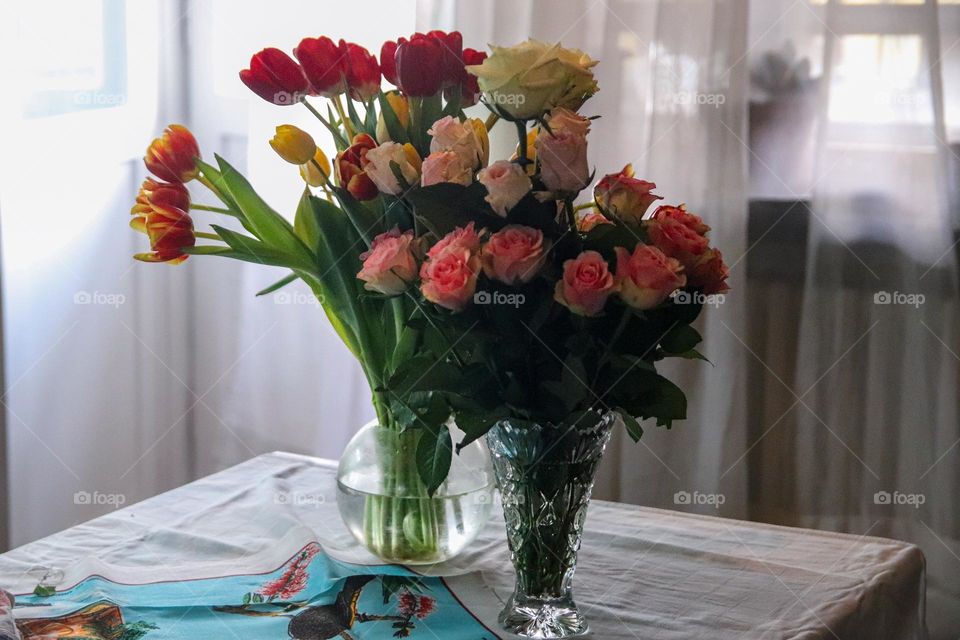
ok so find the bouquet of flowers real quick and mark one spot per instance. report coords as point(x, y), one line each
point(471, 289)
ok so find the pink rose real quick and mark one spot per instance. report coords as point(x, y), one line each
point(514, 254)
point(676, 239)
point(586, 284)
point(647, 277)
point(389, 266)
point(709, 272)
point(681, 215)
point(624, 196)
point(461, 238)
point(450, 279)
point(445, 166)
point(562, 152)
point(590, 220)
point(506, 184)
point(467, 139)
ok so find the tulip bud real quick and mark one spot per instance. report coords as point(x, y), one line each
point(323, 65)
point(170, 230)
point(451, 51)
point(275, 77)
point(293, 144)
point(173, 156)
point(388, 60)
point(401, 108)
point(363, 72)
point(152, 192)
point(350, 166)
point(419, 66)
point(316, 173)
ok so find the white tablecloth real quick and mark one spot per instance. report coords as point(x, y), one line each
point(643, 573)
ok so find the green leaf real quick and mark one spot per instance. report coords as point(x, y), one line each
point(445, 206)
point(43, 591)
point(680, 339)
point(693, 354)
point(268, 225)
point(305, 223)
point(279, 284)
point(476, 426)
point(395, 128)
point(423, 373)
point(634, 430)
point(434, 455)
point(252, 250)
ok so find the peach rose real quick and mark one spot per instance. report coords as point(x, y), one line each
point(681, 215)
point(709, 273)
point(506, 184)
point(389, 266)
point(514, 254)
point(563, 152)
point(468, 139)
point(647, 276)
point(450, 279)
point(586, 284)
point(624, 196)
point(461, 237)
point(590, 220)
point(379, 167)
point(676, 239)
point(445, 166)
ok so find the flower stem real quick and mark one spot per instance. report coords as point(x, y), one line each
point(338, 105)
point(522, 136)
point(204, 207)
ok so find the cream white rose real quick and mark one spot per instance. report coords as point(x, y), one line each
point(506, 184)
point(378, 167)
point(531, 78)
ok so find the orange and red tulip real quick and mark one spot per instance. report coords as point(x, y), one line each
point(154, 192)
point(170, 230)
point(173, 156)
point(350, 166)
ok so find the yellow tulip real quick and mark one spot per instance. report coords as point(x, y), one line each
point(401, 108)
point(293, 144)
point(316, 173)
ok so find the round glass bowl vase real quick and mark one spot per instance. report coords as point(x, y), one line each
point(386, 506)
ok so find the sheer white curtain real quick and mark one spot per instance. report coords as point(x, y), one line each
point(672, 97)
point(871, 409)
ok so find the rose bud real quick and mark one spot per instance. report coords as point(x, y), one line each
point(586, 284)
point(293, 144)
point(468, 139)
point(170, 230)
point(451, 48)
point(363, 72)
point(514, 254)
point(323, 65)
point(469, 89)
point(419, 66)
point(389, 266)
point(173, 156)
point(676, 239)
point(445, 166)
point(709, 273)
point(623, 196)
point(563, 152)
point(152, 192)
point(350, 166)
point(449, 280)
point(379, 169)
point(506, 184)
point(388, 60)
point(591, 219)
point(681, 215)
point(647, 277)
point(316, 173)
point(460, 238)
point(275, 77)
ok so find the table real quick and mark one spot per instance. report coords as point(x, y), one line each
point(643, 573)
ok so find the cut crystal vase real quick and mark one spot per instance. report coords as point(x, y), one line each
point(545, 474)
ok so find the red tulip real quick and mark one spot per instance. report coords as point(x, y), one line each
point(170, 230)
point(349, 168)
point(275, 77)
point(420, 65)
point(451, 47)
point(325, 65)
point(469, 89)
point(173, 156)
point(161, 193)
point(388, 60)
point(363, 72)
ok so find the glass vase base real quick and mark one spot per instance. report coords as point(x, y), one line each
point(543, 618)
